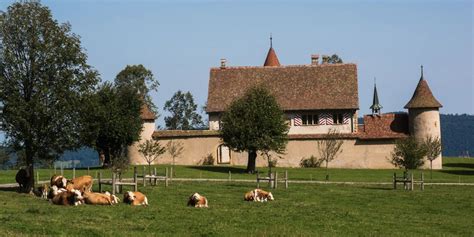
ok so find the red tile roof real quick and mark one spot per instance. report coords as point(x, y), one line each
point(301, 87)
point(423, 97)
point(184, 133)
point(272, 59)
point(385, 126)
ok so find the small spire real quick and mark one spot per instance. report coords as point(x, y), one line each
point(376, 106)
point(271, 41)
point(421, 78)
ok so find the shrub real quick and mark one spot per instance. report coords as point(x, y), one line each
point(208, 160)
point(273, 163)
point(408, 153)
point(311, 162)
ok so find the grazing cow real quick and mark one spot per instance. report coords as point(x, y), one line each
point(82, 183)
point(258, 195)
point(67, 198)
point(135, 198)
point(197, 200)
point(58, 181)
point(22, 177)
point(97, 198)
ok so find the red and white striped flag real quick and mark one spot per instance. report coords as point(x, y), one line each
point(298, 121)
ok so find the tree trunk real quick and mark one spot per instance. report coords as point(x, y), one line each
point(29, 168)
point(107, 158)
point(431, 169)
point(251, 162)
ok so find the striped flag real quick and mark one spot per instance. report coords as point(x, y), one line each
point(347, 118)
point(298, 121)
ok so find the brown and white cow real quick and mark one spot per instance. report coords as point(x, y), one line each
point(97, 198)
point(135, 198)
point(114, 198)
point(58, 181)
point(197, 200)
point(258, 195)
point(82, 183)
point(68, 198)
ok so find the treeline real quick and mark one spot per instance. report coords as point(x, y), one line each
point(457, 134)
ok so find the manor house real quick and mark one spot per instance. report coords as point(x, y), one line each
point(315, 98)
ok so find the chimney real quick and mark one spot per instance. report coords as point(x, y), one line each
point(314, 59)
point(325, 59)
point(223, 61)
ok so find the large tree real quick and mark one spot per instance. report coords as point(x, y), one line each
point(44, 77)
point(112, 121)
point(141, 79)
point(408, 153)
point(183, 112)
point(255, 123)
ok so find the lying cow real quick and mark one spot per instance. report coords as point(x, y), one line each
point(135, 198)
point(82, 183)
point(67, 198)
point(197, 200)
point(42, 191)
point(58, 181)
point(114, 198)
point(258, 195)
point(54, 191)
point(97, 198)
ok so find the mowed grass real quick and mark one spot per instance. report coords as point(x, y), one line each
point(455, 170)
point(301, 210)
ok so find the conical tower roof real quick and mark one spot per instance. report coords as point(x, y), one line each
point(423, 97)
point(146, 113)
point(272, 59)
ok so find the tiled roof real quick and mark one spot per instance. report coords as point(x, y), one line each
point(301, 87)
point(184, 133)
point(423, 97)
point(146, 113)
point(384, 126)
point(272, 59)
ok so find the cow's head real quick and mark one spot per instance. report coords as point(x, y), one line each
point(78, 198)
point(129, 196)
point(196, 196)
point(270, 196)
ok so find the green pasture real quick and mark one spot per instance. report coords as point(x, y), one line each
point(458, 170)
point(301, 210)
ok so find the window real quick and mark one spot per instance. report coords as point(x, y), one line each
point(310, 119)
point(337, 119)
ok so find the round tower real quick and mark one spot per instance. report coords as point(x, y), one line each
point(423, 116)
point(148, 118)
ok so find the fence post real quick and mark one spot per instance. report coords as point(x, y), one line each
point(230, 176)
point(154, 174)
point(37, 177)
point(286, 179)
point(394, 180)
point(422, 182)
point(62, 170)
point(275, 182)
point(87, 170)
point(74, 172)
point(166, 177)
point(258, 180)
point(100, 182)
point(172, 173)
point(135, 178)
point(144, 180)
point(412, 183)
point(270, 179)
point(113, 183)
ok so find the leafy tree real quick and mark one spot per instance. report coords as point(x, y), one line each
point(329, 147)
point(141, 79)
point(151, 151)
point(433, 150)
point(112, 122)
point(175, 149)
point(4, 158)
point(183, 112)
point(44, 77)
point(254, 123)
point(408, 153)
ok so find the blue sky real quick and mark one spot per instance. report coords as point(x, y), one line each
point(181, 40)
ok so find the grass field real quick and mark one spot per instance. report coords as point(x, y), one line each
point(301, 210)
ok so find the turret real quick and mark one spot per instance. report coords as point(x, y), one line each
point(148, 118)
point(423, 115)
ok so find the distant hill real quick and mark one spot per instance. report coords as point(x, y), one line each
point(457, 131)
